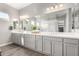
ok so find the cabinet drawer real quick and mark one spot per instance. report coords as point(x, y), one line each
point(47, 37)
point(27, 36)
point(74, 41)
point(57, 39)
point(39, 43)
point(38, 37)
point(32, 36)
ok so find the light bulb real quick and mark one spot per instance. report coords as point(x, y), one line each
point(48, 9)
point(61, 5)
point(56, 6)
point(52, 7)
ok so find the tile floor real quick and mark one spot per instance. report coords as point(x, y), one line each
point(15, 50)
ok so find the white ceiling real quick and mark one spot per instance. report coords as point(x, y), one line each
point(18, 5)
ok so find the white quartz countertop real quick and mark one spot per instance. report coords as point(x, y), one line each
point(72, 35)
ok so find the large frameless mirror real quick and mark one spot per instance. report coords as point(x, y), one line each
point(59, 20)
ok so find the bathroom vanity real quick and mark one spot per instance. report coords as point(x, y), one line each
point(49, 43)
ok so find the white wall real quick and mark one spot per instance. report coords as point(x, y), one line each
point(4, 31)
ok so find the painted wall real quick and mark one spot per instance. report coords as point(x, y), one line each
point(4, 25)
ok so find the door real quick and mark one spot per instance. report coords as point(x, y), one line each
point(70, 49)
point(47, 45)
point(38, 43)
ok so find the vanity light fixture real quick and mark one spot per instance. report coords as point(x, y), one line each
point(49, 9)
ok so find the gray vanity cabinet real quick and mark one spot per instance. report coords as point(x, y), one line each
point(32, 42)
point(19, 41)
point(39, 44)
point(26, 38)
point(47, 45)
point(57, 47)
point(13, 37)
point(16, 38)
point(29, 41)
point(70, 47)
point(70, 50)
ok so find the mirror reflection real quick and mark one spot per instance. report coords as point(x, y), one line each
point(54, 19)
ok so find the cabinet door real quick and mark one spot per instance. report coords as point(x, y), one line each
point(26, 40)
point(70, 50)
point(19, 42)
point(38, 43)
point(14, 38)
point(47, 45)
point(57, 49)
point(29, 41)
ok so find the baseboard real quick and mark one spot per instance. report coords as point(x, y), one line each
point(1, 45)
